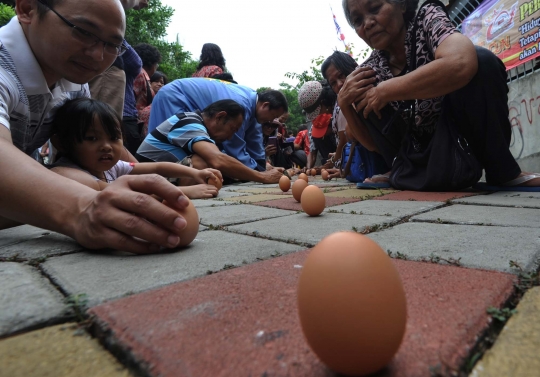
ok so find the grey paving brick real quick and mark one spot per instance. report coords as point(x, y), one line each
point(105, 276)
point(20, 234)
point(484, 215)
point(485, 247)
point(229, 194)
point(505, 199)
point(28, 242)
point(27, 299)
point(307, 230)
point(239, 214)
point(386, 207)
point(201, 203)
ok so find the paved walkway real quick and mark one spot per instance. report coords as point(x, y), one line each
point(226, 305)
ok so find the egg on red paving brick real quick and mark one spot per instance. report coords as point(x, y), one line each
point(298, 186)
point(351, 304)
point(313, 201)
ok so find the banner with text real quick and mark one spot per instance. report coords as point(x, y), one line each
point(509, 28)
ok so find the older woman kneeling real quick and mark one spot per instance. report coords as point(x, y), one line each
point(447, 75)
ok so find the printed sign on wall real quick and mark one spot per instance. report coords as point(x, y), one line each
point(509, 28)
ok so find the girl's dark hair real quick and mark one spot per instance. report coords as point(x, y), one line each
point(232, 108)
point(73, 119)
point(158, 75)
point(410, 9)
point(211, 55)
point(226, 76)
point(149, 54)
point(343, 62)
point(328, 97)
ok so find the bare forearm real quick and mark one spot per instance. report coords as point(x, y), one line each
point(233, 168)
point(454, 66)
point(341, 145)
point(32, 194)
point(312, 157)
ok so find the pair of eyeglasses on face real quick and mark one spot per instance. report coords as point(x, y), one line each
point(86, 38)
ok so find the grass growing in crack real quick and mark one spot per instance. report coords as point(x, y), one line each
point(354, 229)
point(437, 259)
point(501, 315)
point(526, 280)
point(77, 302)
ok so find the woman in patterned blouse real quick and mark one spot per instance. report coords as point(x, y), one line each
point(212, 61)
point(468, 82)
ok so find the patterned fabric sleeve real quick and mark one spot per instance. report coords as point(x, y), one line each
point(437, 26)
point(208, 71)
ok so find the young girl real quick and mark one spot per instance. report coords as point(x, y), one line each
point(88, 134)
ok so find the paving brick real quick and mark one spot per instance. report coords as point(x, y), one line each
point(271, 191)
point(254, 198)
point(244, 322)
point(386, 208)
point(104, 276)
point(27, 300)
point(506, 199)
point(242, 213)
point(486, 247)
point(306, 230)
point(426, 196)
point(292, 205)
point(355, 193)
point(515, 353)
point(201, 203)
point(28, 242)
point(59, 351)
point(484, 215)
point(229, 194)
point(20, 234)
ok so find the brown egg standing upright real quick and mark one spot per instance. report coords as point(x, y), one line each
point(351, 304)
point(284, 183)
point(303, 176)
point(298, 186)
point(324, 175)
point(313, 201)
point(313, 172)
point(190, 214)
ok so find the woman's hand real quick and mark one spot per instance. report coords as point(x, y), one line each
point(355, 87)
point(373, 100)
point(270, 150)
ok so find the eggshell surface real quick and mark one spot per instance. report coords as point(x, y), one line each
point(313, 172)
point(216, 182)
point(190, 214)
point(351, 304)
point(298, 186)
point(303, 176)
point(284, 183)
point(324, 175)
point(313, 201)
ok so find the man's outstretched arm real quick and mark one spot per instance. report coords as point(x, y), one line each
point(31, 194)
point(230, 166)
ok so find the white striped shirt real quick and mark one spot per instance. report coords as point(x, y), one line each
point(27, 106)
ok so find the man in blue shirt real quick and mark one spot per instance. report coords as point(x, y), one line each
point(197, 93)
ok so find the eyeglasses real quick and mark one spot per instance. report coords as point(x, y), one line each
point(88, 39)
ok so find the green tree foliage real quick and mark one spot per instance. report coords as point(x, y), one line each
point(149, 25)
point(6, 13)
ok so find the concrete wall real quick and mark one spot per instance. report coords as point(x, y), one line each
point(524, 104)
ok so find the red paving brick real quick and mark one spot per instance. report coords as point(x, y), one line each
point(426, 196)
point(292, 205)
point(243, 322)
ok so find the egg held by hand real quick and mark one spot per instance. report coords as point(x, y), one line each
point(216, 182)
point(351, 304)
point(190, 214)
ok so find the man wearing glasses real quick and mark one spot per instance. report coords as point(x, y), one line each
point(48, 53)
